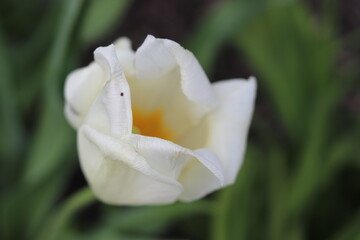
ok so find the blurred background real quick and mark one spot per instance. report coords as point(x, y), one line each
point(301, 175)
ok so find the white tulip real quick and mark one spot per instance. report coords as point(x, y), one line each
point(151, 128)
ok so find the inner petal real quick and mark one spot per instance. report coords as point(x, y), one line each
point(151, 124)
point(160, 108)
point(154, 124)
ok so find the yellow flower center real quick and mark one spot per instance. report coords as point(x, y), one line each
point(151, 124)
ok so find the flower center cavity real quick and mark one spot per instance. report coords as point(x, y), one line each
point(151, 124)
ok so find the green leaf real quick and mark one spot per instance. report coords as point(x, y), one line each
point(30, 56)
point(65, 212)
point(53, 137)
point(240, 205)
point(152, 219)
point(295, 232)
point(307, 178)
point(26, 208)
point(100, 17)
point(11, 139)
point(137, 222)
point(106, 233)
point(218, 26)
point(351, 230)
point(278, 191)
point(293, 59)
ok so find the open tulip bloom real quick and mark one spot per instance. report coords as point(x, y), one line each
point(151, 129)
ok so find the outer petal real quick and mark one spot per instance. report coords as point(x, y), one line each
point(145, 170)
point(111, 112)
point(118, 174)
point(229, 124)
point(197, 177)
point(198, 171)
point(83, 85)
point(78, 101)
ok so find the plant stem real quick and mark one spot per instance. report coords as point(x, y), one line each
point(67, 210)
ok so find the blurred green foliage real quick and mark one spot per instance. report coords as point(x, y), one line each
point(290, 184)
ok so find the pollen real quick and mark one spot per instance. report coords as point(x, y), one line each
point(151, 124)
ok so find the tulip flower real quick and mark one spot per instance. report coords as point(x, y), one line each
point(151, 129)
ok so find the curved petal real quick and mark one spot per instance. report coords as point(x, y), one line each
point(92, 78)
point(118, 174)
point(228, 125)
point(168, 77)
point(77, 100)
point(198, 171)
point(163, 156)
point(125, 55)
point(198, 177)
point(111, 112)
point(157, 57)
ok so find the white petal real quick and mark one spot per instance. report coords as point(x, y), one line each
point(157, 57)
point(81, 88)
point(111, 112)
point(198, 171)
point(83, 85)
point(118, 174)
point(163, 156)
point(202, 175)
point(229, 124)
point(125, 55)
point(168, 77)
